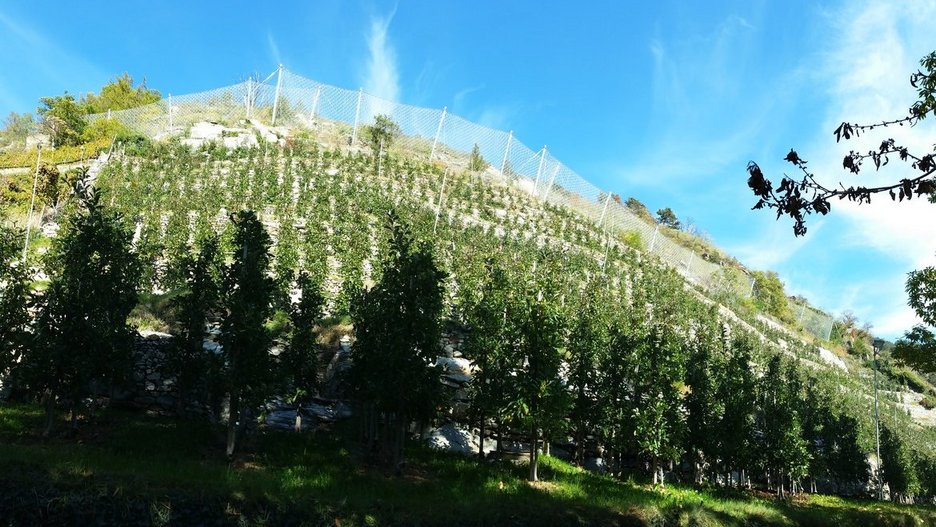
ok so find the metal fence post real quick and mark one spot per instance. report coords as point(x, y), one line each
point(438, 131)
point(32, 202)
point(276, 94)
point(170, 111)
point(357, 115)
point(248, 100)
point(506, 152)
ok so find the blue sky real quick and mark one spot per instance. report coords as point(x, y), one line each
point(664, 102)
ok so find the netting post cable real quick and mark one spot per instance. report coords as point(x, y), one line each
point(357, 115)
point(276, 94)
point(438, 131)
point(653, 240)
point(506, 152)
point(604, 210)
point(32, 202)
point(315, 100)
point(551, 181)
point(539, 171)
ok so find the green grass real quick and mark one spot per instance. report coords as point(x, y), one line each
point(130, 468)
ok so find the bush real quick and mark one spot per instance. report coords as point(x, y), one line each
point(928, 402)
point(65, 154)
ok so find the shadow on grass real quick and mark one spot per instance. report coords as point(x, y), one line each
point(135, 469)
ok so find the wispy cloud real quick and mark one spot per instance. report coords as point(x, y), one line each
point(381, 76)
point(460, 96)
point(874, 47)
point(274, 49)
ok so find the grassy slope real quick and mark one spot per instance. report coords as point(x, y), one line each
point(128, 468)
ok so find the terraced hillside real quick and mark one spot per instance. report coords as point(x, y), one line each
point(324, 207)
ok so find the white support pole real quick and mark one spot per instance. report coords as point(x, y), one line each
point(539, 171)
point(357, 115)
point(439, 206)
point(248, 95)
point(32, 202)
point(551, 181)
point(170, 111)
point(689, 261)
point(108, 114)
point(506, 152)
point(653, 240)
point(604, 210)
point(276, 94)
point(751, 292)
point(318, 93)
point(438, 131)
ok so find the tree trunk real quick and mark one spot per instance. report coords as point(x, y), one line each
point(48, 400)
point(656, 473)
point(233, 418)
point(500, 436)
point(481, 438)
point(74, 413)
point(534, 458)
point(298, 425)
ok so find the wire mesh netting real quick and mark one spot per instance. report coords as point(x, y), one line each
point(342, 116)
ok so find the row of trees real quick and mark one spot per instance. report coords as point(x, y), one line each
point(630, 364)
point(62, 117)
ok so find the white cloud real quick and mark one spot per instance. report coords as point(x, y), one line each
point(381, 76)
point(872, 50)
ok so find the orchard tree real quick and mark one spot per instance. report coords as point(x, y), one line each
point(898, 469)
point(200, 274)
point(62, 119)
point(540, 340)
point(246, 302)
point(299, 361)
point(14, 297)
point(488, 344)
point(703, 404)
point(381, 135)
point(81, 331)
point(658, 418)
point(589, 341)
point(397, 329)
point(737, 392)
point(782, 447)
